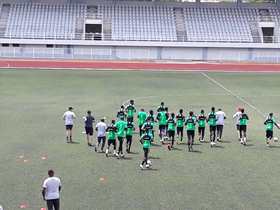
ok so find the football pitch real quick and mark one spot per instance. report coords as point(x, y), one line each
point(229, 176)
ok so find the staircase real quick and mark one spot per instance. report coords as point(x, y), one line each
point(79, 28)
point(254, 28)
point(180, 24)
point(264, 15)
point(107, 29)
point(4, 15)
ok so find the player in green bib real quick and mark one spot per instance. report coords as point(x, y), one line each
point(190, 127)
point(121, 127)
point(212, 122)
point(142, 116)
point(129, 133)
point(148, 127)
point(146, 142)
point(269, 124)
point(243, 121)
point(171, 126)
point(162, 122)
point(130, 111)
point(111, 136)
point(121, 113)
point(201, 120)
point(152, 119)
point(180, 120)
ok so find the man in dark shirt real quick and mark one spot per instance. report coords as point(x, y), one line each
point(89, 120)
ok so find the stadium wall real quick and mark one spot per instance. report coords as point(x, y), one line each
point(149, 51)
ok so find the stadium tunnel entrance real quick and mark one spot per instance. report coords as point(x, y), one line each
point(94, 29)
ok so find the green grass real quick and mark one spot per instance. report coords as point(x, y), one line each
point(228, 177)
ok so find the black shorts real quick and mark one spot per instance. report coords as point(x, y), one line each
point(238, 127)
point(129, 138)
point(162, 127)
point(129, 119)
point(180, 130)
point(269, 134)
point(243, 128)
point(200, 129)
point(101, 138)
point(89, 130)
point(190, 133)
point(69, 127)
point(171, 133)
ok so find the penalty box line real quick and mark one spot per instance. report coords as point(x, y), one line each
point(233, 94)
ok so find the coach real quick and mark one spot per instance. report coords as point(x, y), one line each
point(51, 190)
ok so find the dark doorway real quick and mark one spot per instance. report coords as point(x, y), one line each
point(268, 34)
point(94, 31)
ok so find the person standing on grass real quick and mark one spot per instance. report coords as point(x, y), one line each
point(121, 127)
point(270, 123)
point(142, 116)
point(180, 119)
point(162, 118)
point(111, 130)
point(101, 134)
point(130, 111)
point(161, 108)
point(212, 122)
point(243, 121)
point(151, 118)
point(51, 190)
point(221, 116)
point(68, 118)
point(201, 120)
point(146, 142)
point(121, 113)
point(129, 133)
point(89, 120)
point(190, 127)
point(171, 126)
point(237, 116)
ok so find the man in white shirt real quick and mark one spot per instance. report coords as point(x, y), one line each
point(68, 118)
point(51, 190)
point(237, 116)
point(101, 134)
point(221, 116)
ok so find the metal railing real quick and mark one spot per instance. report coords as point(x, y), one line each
point(241, 38)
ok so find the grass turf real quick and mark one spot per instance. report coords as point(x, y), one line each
point(227, 177)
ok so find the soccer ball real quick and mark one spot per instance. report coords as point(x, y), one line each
point(275, 139)
point(149, 162)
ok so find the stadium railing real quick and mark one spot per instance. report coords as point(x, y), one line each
point(242, 38)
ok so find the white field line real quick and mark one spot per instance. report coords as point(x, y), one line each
point(233, 94)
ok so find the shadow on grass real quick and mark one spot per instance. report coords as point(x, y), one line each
point(197, 152)
point(226, 142)
point(156, 145)
point(150, 169)
point(134, 153)
point(219, 146)
point(176, 149)
point(249, 145)
point(126, 158)
point(274, 146)
point(154, 158)
point(74, 142)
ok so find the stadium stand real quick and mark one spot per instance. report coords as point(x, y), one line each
point(43, 20)
point(141, 21)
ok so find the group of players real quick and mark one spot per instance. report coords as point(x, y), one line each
point(169, 125)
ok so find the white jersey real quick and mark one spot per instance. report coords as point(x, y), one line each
point(52, 185)
point(237, 116)
point(101, 129)
point(69, 118)
point(221, 116)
